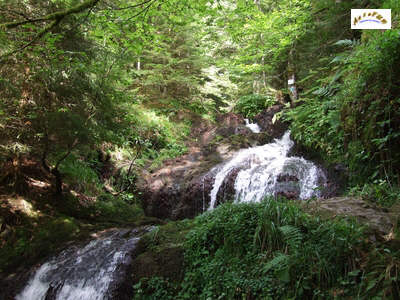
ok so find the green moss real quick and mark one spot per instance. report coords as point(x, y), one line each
point(27, 244)
point(106, 208)
point(160, 253)
point(166, 263)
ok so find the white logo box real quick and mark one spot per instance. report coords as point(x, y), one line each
point(371, 19)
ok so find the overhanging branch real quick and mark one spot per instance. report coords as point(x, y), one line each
point(54, 16)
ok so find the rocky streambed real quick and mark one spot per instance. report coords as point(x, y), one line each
point(230, 157)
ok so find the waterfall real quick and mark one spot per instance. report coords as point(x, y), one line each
point(267, 170)
point(252, 126)
point(85, 273)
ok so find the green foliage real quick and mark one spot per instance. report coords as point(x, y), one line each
point(250, 105)
point(369, 109)
point(77, 89)
point(80, 176)
point(379, 192)
point(117, 210)
point(35, 240)
point(269, 250)
point(104, 208)
point(349, 108)
point(153, 289)
point(154, 135)
point(316, 124)
point(263, 35)
point(273, 250)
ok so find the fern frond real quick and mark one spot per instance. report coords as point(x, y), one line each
point(279, 262)
point(292, 235)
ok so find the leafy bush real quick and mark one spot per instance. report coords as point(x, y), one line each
point(316, 124)
point(117, 210)
point(106, 208)
point(155, 136)
point(380, 192)
point(268, 250)
point(35, 240)
point(370, 105)
point(153, 289)
point(252, 104)
point(351, 113)
point(80, 176)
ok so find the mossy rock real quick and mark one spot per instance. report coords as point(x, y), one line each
point(239, 141)
point(160, 253)
point(166, 263)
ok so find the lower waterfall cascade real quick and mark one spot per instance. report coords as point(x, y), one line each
point(263, 170)
point(87, 273)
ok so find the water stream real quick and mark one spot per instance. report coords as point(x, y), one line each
point(95, 270)
point(90, 272)
point(252, 126)
point(267, 170)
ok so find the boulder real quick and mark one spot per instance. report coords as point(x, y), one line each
point(181, 187)
point(264, 120)
point(230, 120)
point(226, 192)
point(376, 218)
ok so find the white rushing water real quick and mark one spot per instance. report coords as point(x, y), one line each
point(252, 126)
point(262, 169)
point(82, 273)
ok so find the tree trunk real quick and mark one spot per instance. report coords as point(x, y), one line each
point(58, 178)
point(292, 78)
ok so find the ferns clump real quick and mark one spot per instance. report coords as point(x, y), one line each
point(250, 105)
point(274, 250)
point(269, 249)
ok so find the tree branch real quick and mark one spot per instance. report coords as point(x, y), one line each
point(57, 17)
point(37, 37)
point(143, 10)
point(132, 6)
point(14, 12)
point(54, 16)
point(74, 143)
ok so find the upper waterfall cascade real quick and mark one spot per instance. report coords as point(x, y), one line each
point(263, 170)
point(252, 126)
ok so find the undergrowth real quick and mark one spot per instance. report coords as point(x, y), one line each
point(380, 192)
point(250, 105)
point(273, 250)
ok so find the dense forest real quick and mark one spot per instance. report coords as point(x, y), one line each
point(244, 149)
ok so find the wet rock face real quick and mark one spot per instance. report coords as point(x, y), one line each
point(230, 120)
point(375, 217)
point(287, 178)
point(183, 193)
point(336, 175)
point(181, 188)
point(264, 120)
point(227, 191)
point(287, 186)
